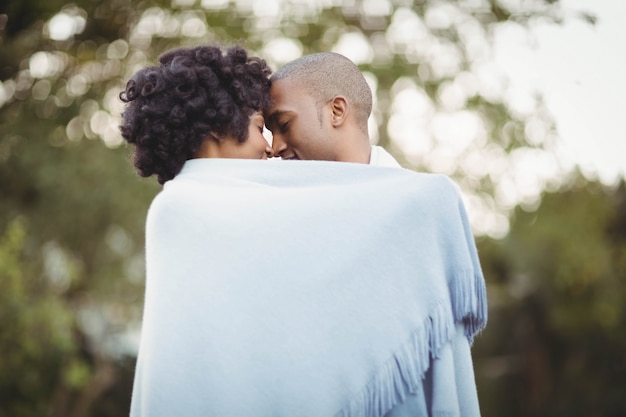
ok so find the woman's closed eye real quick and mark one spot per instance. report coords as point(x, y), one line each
point(259, 121)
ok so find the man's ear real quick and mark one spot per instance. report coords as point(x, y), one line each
point(339, 110)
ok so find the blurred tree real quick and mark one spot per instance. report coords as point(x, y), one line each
point(48, 366)
point(72, 209)
point(555, 344)
point(72, 281)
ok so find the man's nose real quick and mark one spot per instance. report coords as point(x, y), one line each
point(278, 145)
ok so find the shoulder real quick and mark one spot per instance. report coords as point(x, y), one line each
point(175, 202)
point(380, 157)
point(433, 183)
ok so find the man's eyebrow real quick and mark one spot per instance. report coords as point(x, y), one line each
point(274, 116)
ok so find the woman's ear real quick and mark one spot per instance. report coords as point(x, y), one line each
point(339, 110)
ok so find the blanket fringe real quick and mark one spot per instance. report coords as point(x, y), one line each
point(469, 302)
point(403, 373)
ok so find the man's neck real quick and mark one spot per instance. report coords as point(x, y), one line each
point(357, 150)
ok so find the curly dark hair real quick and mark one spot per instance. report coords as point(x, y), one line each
point(193, 94)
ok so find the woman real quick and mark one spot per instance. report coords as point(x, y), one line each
point(199, 102)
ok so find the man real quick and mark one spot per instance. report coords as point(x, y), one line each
point(319, 111)
point(321, 104)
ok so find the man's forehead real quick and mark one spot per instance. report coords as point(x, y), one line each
point(285, 88)
point(278, 106)
point(285, 96)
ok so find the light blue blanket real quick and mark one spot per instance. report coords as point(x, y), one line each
point(308, 288)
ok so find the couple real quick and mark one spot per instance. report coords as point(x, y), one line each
point(311, 288)
point(200, 103)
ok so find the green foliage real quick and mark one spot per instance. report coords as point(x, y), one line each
point(37, 329)
point(555, 345)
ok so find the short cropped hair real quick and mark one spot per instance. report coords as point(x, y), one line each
point(325, 75)
point(192, 94)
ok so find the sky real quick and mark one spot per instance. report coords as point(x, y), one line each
point(581, 71)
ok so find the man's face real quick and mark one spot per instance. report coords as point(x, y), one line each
point(300, 130)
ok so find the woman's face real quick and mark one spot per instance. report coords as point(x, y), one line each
point(255, 147)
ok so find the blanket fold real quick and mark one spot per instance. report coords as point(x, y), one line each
point(308, 288)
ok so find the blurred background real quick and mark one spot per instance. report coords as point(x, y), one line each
point(521, 102)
